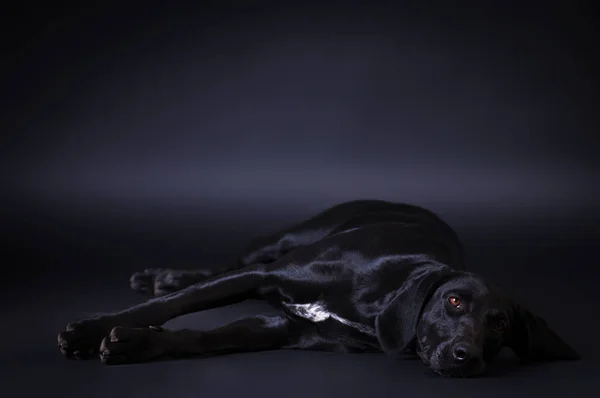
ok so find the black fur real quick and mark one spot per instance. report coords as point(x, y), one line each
point(386, 270)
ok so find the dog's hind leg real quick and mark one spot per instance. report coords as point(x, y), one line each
point(261, 250)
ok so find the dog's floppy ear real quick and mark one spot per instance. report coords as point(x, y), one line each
point(532, 340)
point(397, 322)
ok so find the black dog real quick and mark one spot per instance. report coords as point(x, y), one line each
point(362, 276)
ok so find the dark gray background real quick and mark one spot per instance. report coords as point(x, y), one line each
point(164, 137)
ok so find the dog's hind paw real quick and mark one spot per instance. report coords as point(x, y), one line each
point(143, 282)
point(161, 281)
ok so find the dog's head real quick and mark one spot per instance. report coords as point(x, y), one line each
point(457, 323)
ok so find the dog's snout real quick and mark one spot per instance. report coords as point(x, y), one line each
point(462, 353)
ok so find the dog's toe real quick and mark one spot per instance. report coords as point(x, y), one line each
point(166, 282)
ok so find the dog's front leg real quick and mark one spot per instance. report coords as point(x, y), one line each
point(82, 339)
point(133, 345)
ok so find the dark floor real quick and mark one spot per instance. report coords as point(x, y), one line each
point(79, 277)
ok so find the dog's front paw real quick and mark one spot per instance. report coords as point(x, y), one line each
point(80, 340)
point(133, 345)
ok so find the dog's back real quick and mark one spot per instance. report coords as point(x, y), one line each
point(352, 215)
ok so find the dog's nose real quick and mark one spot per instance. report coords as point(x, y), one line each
point(461, 353)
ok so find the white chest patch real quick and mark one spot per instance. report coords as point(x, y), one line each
point(317, 312)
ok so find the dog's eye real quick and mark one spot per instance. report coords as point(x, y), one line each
point(499, 326)
point(455, 301)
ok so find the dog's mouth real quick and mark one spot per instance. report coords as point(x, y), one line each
point(440, 367)
point(460, 371)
